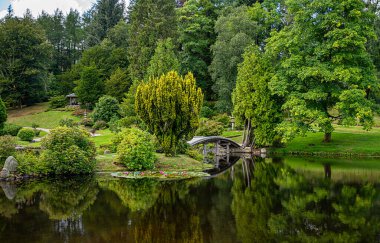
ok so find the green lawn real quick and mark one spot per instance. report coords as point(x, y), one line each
point(346, 141)
point(236, 136)
point(105, 137)
point(47, 119)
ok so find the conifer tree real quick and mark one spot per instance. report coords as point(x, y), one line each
point(170, 107)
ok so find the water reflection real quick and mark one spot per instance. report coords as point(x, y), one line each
point(255, 200)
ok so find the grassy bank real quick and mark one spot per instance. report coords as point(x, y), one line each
point(106, 163)
point(346, 141)
point(39, 114)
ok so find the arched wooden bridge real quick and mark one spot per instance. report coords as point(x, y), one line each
point(213, 139)
point(222, 144)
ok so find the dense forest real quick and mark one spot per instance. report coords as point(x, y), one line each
point(281, 67)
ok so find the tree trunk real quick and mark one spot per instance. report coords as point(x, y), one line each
point(327, 168)
point(327, 138)
point(247, 134)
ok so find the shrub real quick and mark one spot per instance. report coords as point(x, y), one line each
point(68, 150)
point(30, 163)
point(105, 109)
point(100, 125)
point(7, 147)
point(135, 149)
point(209, 128)
point(87, 122)
point(10, 129)
point(68, 122)
point(207, 112)
point(57, 102)
point(224, 119)
point(26, 134)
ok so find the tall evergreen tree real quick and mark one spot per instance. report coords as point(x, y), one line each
point(104, 15)
point(149, 21)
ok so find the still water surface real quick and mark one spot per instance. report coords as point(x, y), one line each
point(255, 201)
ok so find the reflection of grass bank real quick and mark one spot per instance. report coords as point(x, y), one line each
point(353, 141)
point(342, 169)
point(178, 163)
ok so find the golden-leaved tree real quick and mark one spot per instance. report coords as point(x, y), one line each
point(170, 106)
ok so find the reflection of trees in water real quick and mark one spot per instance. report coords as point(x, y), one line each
point(281, 205)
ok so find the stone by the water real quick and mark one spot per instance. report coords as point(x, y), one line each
point(11, 164)
point(4, 173)
point(107, 152)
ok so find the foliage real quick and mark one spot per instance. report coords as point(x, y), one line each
point(149, 21)
point(100, 124)
point(67, 122)
point(209, 128)
point(10, 129)
point(196, 20)
point(170, 107)
point(105, 14)
point(324, 66)
point(118, 84)
point(24, 58)
point(163, 60)
point(7, 147)
point(26, 134)
point(224, 119)
point(106, 108)
point(57, 102)
point(235, 31)
point(90, 86)
point(207, 112)
point(29, 163)
point(3, 114)
point(87, 122)
point(68, 151)
point(254, 104)
point(136, 150)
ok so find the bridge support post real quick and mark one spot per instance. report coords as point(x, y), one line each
point(204, 149)
point(217, 148)
point(228, 148)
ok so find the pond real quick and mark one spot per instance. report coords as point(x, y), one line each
point(256, 200)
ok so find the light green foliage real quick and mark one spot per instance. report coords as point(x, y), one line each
point(57, 102)
point(170, 107)
point(324, 66)
point(24, 58)
point(7, 147)
point(3, 114)
point(224, 119)
point(26, 134)
point(149, 21)
point(68, 151)
point(118, 84)
point(209, 128)
point(163, 60)
point(90, 86)
point(253, 102)
point(29, 163)
point(207, 112)
point(135, 149)
point(106, 108)
point(100, 124)
point(196, 20)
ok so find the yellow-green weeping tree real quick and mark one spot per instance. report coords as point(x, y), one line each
point(170, 106)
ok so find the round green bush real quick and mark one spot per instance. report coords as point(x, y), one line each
point(135, 149)
point(10, 129)
point(26, 134)
point(106, 108)
point(68, 150)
